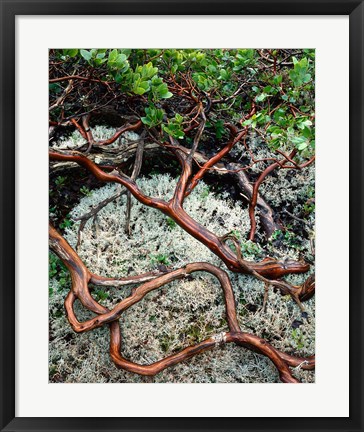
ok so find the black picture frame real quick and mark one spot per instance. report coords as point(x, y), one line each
point(9, 9)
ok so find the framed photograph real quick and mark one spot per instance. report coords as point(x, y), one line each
point(176, 180)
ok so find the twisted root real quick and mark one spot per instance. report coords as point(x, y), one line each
point(81, 277)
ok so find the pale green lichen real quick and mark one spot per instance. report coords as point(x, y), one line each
point(180, 313)
point(75, 140)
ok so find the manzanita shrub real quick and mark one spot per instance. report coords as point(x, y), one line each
point(279, 83)
point(237, 114)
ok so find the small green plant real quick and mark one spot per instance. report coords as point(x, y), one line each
point(85, 191)
point(53, 210)
point(170, 222)
point(52, 370)
point(166, 342)
point(194, 334)
point(299, 75)
point(220, 130)
point(57, 270)
point(309, 205)
point(153, 116)
point(308, 208)
point(251, 248)
point(197, 332)
point(66, 223)
point(174, 127)
point(310, 193)
point(205, 192)
point(60, 181)
point(101, 295)
point(247, 247)
point(159, 259)
point(94, 57)
point(117, 61)
point(277, 235)
point(159, 89)
point(236, 233)
point(298, 338)
point(287, 238)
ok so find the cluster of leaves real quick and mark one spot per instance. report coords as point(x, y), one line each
point(283, 95)
point(287, 237)
point(100, 295)
point(170, 222)
point(248, 248)
point(309, 205)
point(56, 269)
point(159, 259)
point(155, 116)
point(114, 65)
point(85, 191)
point(298, 339)
point(289, 124)
point(66, 223)
point(280, 83)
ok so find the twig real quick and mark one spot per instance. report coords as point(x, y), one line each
point(93, 212)
point(136, 170)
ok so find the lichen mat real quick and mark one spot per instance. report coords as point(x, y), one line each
point(81, 277)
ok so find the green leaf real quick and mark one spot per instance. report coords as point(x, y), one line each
point(174, 131)
point(126, 52)
point(154, 116)
point(261, 97)
point(219, 129)
point(139, 90)
point(275, 131)
point(72, 52)
point(307, 78)
point(277, 79)
point(54, 88)
point(179, 118)
point(174, 127)
point(120, 60)
point(160, 89)
point(86, 54)
point(299, 75)
point(224, 75)
point(146, 120)
point(166, 95)
point(300, 142)
point(302, 146)
point(113, 55)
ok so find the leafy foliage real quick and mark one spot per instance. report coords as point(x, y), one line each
point(278, 83)
point(56, 269)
